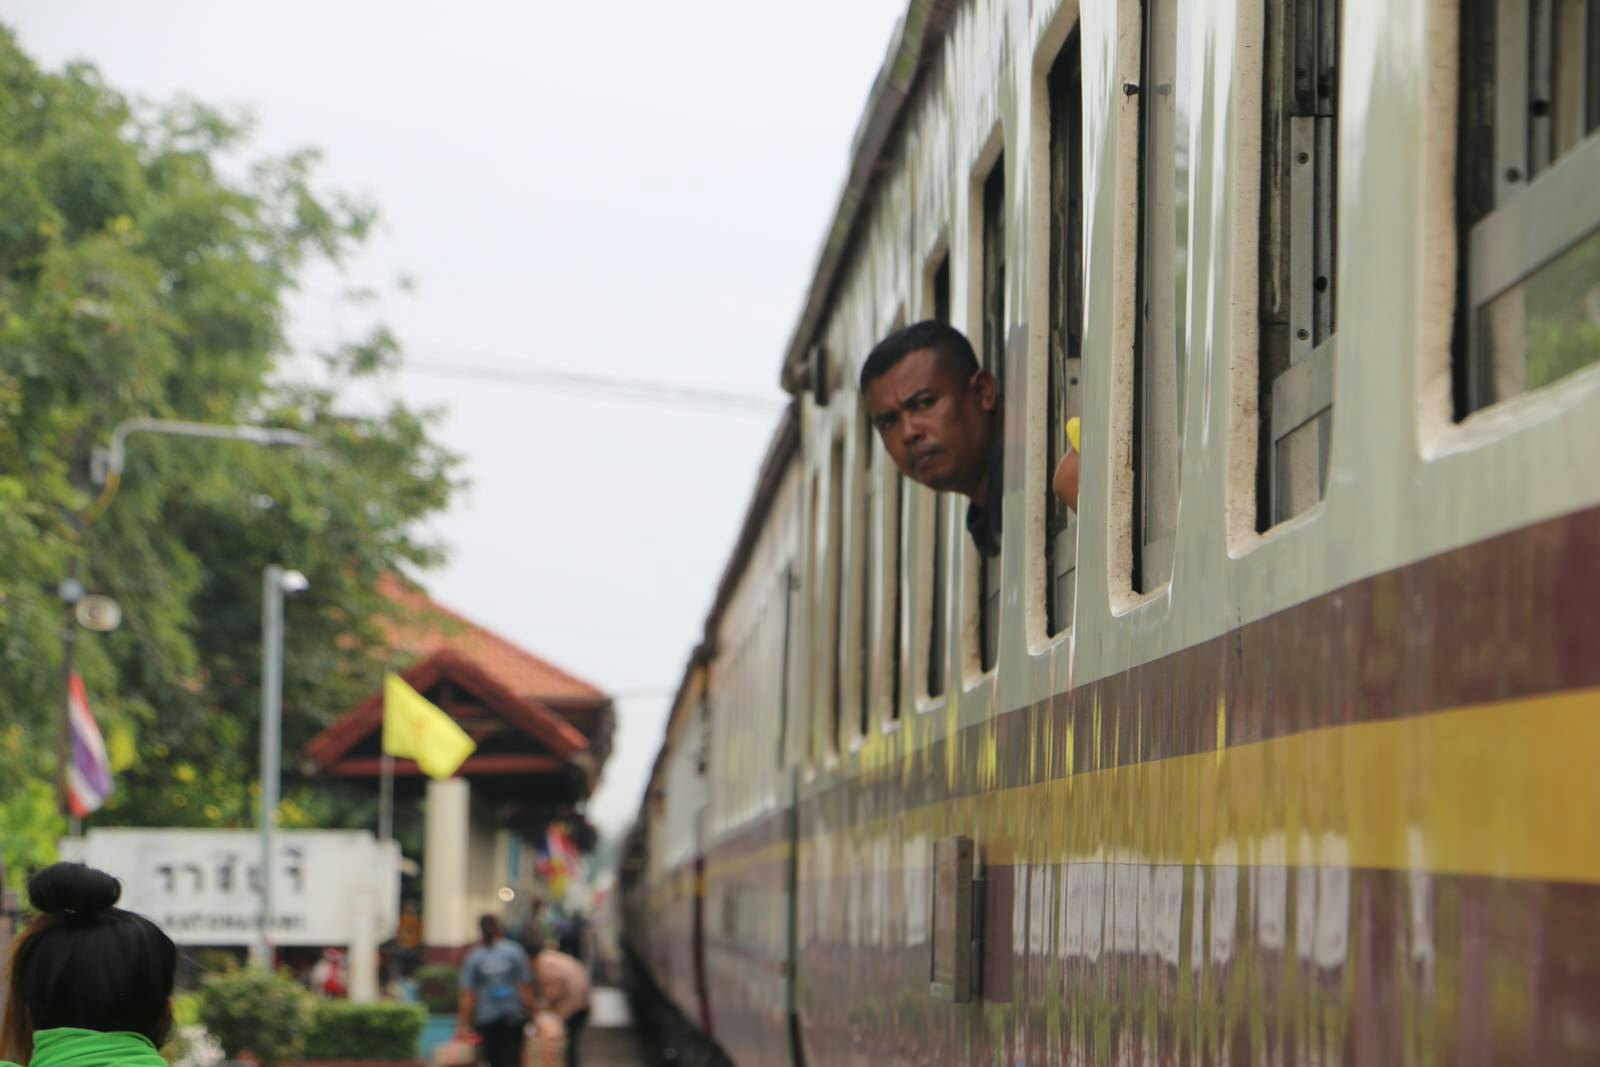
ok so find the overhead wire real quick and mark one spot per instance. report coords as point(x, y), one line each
point(621, 387)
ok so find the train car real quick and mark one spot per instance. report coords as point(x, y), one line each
point(663, 902)
point(1281, 748)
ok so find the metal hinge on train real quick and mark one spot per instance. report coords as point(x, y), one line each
point(956, 954)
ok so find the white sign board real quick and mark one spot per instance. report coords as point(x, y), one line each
point(203, 886)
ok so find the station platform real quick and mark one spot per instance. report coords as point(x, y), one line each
point(610, 1040)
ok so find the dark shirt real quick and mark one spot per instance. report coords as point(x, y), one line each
point(983, 523)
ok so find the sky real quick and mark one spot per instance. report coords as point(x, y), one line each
point(633, 190)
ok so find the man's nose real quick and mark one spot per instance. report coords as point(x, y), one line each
point(911, 429)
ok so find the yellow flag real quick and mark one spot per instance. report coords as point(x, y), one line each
point(414, 729)
point(1072, 432)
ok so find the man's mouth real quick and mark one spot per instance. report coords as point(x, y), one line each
point(922, 457)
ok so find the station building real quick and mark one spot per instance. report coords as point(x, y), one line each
point(542, 737)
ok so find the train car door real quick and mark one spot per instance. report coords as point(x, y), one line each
point(698, 933)
point(698, 920)
point(791, 895)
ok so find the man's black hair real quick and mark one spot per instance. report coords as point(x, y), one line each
point(948, 343)
point(86, 963)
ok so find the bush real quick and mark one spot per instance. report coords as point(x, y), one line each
point(185, 1009)
point(341, 1030)
point(264, 1013)
point(437, 988)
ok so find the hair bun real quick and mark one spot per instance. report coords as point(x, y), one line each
point(73, 887)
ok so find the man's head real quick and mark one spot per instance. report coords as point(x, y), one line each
point(933, 406)
point(489, 927)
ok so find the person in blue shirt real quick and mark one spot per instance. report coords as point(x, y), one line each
point(496, 994)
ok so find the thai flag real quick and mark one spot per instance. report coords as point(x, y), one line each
point(89, 773)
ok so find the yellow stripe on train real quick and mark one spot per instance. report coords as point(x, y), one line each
point(1509, 790)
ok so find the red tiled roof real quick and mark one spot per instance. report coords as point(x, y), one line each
point(430, 627)
point(536, 697)
point(529, 715)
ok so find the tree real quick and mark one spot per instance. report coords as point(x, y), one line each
point(136, 279)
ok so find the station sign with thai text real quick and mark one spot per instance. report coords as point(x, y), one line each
point(203, 887)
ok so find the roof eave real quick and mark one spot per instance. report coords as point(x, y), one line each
point(920, 33)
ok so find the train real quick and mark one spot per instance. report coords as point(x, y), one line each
point(1281, 748)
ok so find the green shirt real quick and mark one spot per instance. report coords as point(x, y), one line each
point(71, 1047)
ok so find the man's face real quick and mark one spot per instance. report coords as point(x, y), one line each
point(936, 427)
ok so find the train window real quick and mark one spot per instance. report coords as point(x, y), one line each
point(935, 539)
point(1065, 87)
point(835, 594)
point(936, 634)
point(816, 579)
point(893, 557)
point(889, 555)
point(1160, 345)
point(993, 354)
point(789, 584)
point(866, 639)
point(994, 270)
point(1299, 169)
point(1527, 202)
point(939, 296)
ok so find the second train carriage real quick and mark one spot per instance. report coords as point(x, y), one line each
point(1282, 750)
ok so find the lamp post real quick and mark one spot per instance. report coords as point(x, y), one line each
point(105, 470)
point(275, 583)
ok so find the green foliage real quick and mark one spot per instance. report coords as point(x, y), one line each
point(345, 1031)
point(267, 1014)
point(137, 280)
point(438, 987)
point(1562, 305)
point(30, 824)
point(185, 1009)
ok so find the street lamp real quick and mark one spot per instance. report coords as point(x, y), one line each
point(276, 583)
point(105, 464)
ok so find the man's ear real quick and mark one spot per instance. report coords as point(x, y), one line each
point(988, 388)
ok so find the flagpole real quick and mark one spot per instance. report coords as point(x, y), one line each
point(386, 799)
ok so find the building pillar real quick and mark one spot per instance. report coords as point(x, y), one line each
point(363, 955)
point(446, 911)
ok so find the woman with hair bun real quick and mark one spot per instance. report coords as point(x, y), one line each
point(90, 985)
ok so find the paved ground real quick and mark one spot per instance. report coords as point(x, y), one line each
point(612, 1048)
point(610, 1040)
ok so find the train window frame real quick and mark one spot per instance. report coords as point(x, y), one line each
point(987, 303)
point(1523, 204)
point(1297, 255)
point(1055, 390)
point(1157, 464)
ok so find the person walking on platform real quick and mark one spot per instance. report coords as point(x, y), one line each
point(564, 989)
point(496, 995)
point(91, 984)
